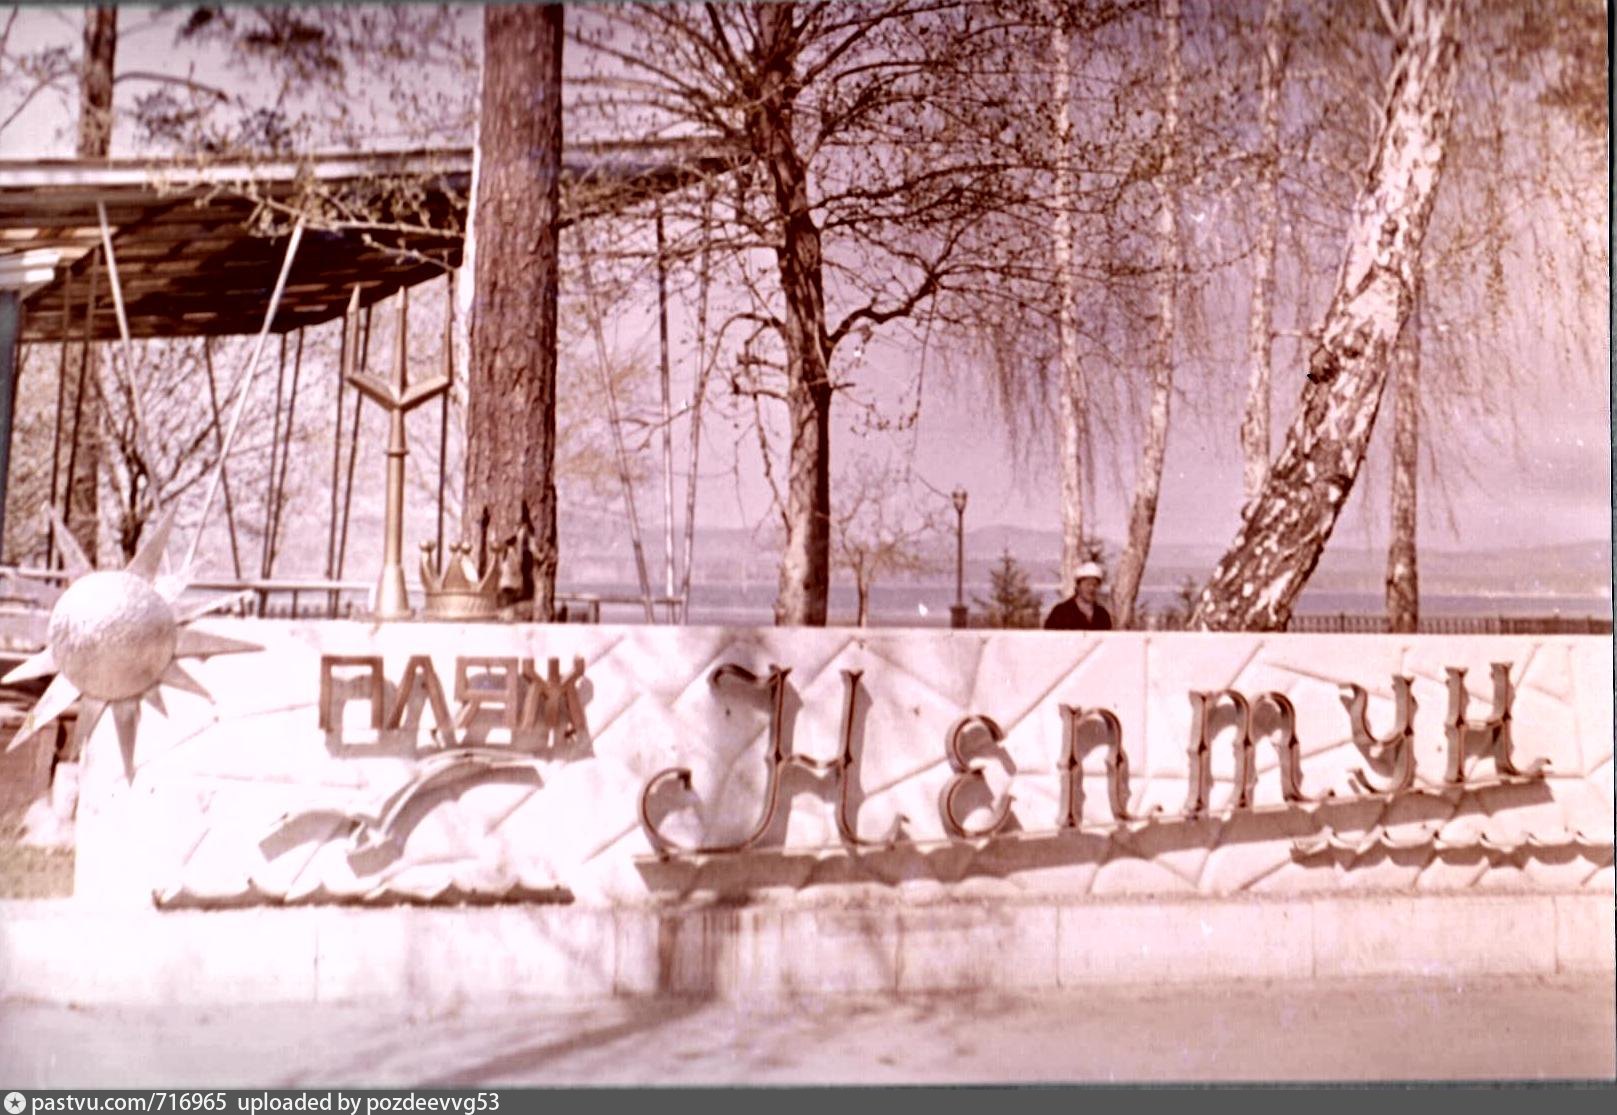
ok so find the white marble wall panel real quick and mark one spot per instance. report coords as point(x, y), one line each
point(245, 799)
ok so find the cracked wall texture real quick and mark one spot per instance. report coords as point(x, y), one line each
point(248, 800)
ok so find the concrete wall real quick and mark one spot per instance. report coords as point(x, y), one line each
point(244, 799)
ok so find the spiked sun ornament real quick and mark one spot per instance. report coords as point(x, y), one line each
point(114, 638)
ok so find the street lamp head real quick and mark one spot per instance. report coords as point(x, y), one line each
point(959, 497)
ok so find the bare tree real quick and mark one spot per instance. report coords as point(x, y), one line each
point(317, 77)
point(27, 75)
point(176, 425)
point(1286, 527)
point(1154, 450)
point(81, 509)
point(881, 529)
point(839, 111)
point(1255, 438)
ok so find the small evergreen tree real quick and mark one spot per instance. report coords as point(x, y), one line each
point(1012, 602)
point(1176, 617)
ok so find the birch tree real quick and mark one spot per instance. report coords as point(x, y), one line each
point(1074, 391)
point(1255, 437)
point(1284, 530)
point(1511, 249)
point(1403, 576)
point(1153, 454)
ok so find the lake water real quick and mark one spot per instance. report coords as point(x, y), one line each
point(928, 605)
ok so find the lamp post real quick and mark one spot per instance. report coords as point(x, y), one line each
point(957, 613)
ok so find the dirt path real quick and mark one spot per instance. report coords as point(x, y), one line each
point(1401, 1030)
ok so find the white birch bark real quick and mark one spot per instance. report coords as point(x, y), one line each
point(1403, 574)
point(1148, 481)
point(1074, 392)
point(1260, 329)
point(1285, 529)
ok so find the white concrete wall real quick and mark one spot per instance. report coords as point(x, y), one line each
point(213, 778)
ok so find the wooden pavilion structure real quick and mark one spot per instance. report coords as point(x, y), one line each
point(195, 248)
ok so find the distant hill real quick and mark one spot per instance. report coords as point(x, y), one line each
point(598, 550)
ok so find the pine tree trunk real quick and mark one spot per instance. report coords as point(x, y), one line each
point(1285, 529)
point(94, 142)
point(511, 404)
point(95, 82)
point(805, 567)
point(1148, 483)
point(1074, 392)
point(1260, 329)
point(1403, 571)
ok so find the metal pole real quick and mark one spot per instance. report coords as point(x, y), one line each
point(142, 445)
point(960, 557)
point(443, 418)
point(286, 456)
point(61, 406)
point(78, 396)
point(350, 330)
point(218, 447)
point(593, 312)
point(10, 329)
point(265, 551)
point(668, 411)
point(957, 613)
point(392, 599)
point(246, 389)
point(363, 357)
point(703, 366)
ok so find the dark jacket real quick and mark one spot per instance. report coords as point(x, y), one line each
point(1065, 616)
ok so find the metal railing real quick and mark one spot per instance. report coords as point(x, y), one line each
point(321, 599)
point(1343, 623)
point(285, 598)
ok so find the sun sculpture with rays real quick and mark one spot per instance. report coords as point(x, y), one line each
point(114, 638)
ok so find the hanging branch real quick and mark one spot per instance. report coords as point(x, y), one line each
point(593, 313)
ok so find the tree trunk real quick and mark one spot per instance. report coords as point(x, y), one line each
point(1285, 529)
point(1148, 484)
point(805, 567)
point(511, 407)
point(1403, 573)
point(862, 587)
point(1260, 329)
point(94, 142)
point(95, 82)
point(698, 398)
point(1074, 393)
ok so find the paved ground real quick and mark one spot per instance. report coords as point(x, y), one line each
point(1518, 1028)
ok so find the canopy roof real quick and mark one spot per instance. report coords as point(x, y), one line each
point(199, 245)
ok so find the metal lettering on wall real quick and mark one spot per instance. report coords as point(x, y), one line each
point(535, 709)
point(970, 739)
point(539, 709)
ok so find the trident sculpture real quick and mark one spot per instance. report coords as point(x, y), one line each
point(398, 399)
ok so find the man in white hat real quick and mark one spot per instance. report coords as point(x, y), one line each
point(1082, 610)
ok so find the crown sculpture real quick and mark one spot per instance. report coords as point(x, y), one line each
point(456, 589)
